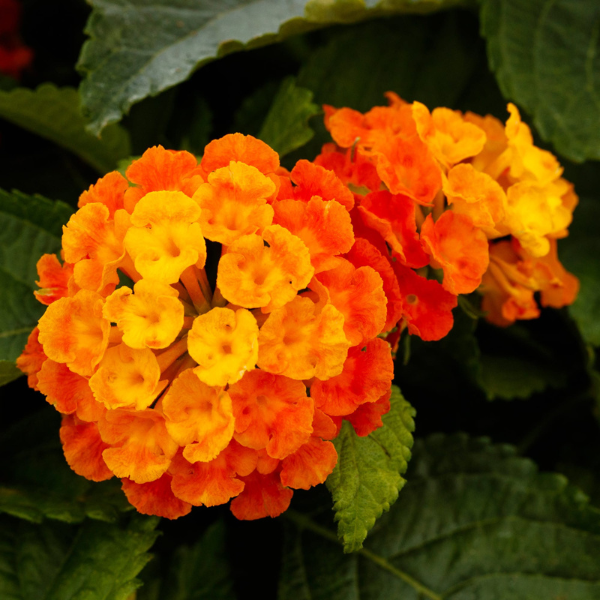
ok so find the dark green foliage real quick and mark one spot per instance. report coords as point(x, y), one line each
point(546, 56)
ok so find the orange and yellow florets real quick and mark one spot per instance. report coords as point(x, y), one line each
point(211, 324)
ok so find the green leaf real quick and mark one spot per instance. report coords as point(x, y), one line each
point(29, 227)
point(138, 49)
point(54, 114)
point(37, 483)
point(368, 474)
point(580, 254)
point(8, 372)
point(200, 572)
point(474, 521)
point(511, 377)
point(286, 126)
point(546, 56)
point(54, 561)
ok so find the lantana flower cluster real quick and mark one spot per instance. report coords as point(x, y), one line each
point(460, 195)
point(197, 390)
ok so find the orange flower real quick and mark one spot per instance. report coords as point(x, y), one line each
point(73, 331)
point(94, 244)
point(215, 482)
point(32, 358)
point(253, 275)
point(427, 306)
point(367, 375)
point(460, 248)
point(447, 134)
point(234, 203)
point(224, 343)
point(199, 417)
point(313, 180)
point(108, 190)
point(324, 227)
point(127, 377)
point(358, 294)
point(271, 412)
point(310, 465)
point(563, 287)
point(351, 166)
point(393, 217)
point(152, 317)
point(407, 167)
point(297, 342)
point(165, 237)
point(155, 498)
point(478, 196)
point(140, 446)
point(53, 279)
point(83, 448)
point(367, 417)
point(243, 148)
point(161, 170)
point(68, 392)
point(364, 254)
point(263, 496)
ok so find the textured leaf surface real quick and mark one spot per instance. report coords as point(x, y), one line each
point(580, 253)
point(286, 126)
point(546, 56)
point(368, 474)
point(54, 561)
point(54, 114)
point(474, 521)
point(140, 48)
point(37, 483)
point(29, 227)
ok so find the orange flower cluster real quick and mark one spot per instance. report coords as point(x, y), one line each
point(196, 394)
point(14, 55)
point(459, 193)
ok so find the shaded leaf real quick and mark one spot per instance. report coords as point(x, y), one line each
point(200, 572)
point(37, 483)
point(55, 561)
point(8, 372)
point(29, 227)
point(368, 474)
point(286, 126)
point(580, 254)
point(138, 49)
point(511, 377)
point(474, 521)
point(54, 114)
point(546, 56)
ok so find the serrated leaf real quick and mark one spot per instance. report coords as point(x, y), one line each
point(286, 126)
point(29, 227)
point(138, 49)
point(580, 254)
point(37, 483)
point(54, 561)
point(546, 56)
point(368, 474)
point(54, 114)
point(474, 521)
